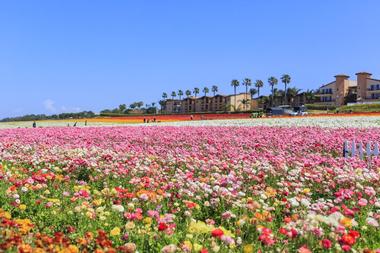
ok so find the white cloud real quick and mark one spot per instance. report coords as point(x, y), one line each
point(49, 105)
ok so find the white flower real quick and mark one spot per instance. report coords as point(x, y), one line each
point(118, 208)
point(294, 202)
point(372, 222)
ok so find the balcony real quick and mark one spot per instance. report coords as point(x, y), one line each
point(324, 93)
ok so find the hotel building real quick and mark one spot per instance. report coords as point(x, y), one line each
point(366, 89)
point(218, 103)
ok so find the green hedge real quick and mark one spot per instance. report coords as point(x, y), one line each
point(360, 108)
point(320, 107)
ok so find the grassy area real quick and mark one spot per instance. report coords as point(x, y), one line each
point(360, 108)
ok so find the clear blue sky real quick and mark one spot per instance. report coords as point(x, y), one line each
point(89, 55)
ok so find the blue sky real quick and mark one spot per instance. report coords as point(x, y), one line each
point(71, 55)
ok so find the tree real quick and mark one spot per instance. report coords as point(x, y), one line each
point(205, 90)
point(162, 104)
point(246, 82)
point(258, 85)
point(235, 83)
point(214, 89)
point(253, 92)
point(310, 96)
point(285, 79)
point(293, 92)
point(164, 95)
point(272, 82)
point(122, 108)
point(139, 104)
point(173, 94)
point(180, 94)
point(188, 93)
point(196, 92)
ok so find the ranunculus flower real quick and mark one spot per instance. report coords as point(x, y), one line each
point(162, 226)
point(326, 243)
point(362, 202)
point(217, 232)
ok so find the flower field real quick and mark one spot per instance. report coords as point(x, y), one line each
point(188, 189)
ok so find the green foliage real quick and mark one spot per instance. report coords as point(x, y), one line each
point(320, 107)
point(33, 117)
point(360, 108)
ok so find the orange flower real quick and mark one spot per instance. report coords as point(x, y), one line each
point(25, 248)
point(25, 225)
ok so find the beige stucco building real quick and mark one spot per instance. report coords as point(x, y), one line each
point(333, 93)
point(366, 89)
point(218, 103)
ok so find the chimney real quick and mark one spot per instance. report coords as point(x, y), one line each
point(362, 80)
point(341, 84)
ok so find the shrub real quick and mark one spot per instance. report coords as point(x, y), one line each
point(360, 108)
point(320, 107)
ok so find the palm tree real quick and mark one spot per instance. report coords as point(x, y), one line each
point(272, 82)
point(162, 104)
point(235, 83)
point(205, 90)
point(188, 93)
point(164, 95)
point(180, 94)
point(196, 92)
point(214, 89)
point(246, 82)
point(293, 92)
point(253, 92)
point(173, 94)
point(285, 79)
point(258, 85)
point(310, 96)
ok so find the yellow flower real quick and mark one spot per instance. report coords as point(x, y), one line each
point(248, 248)
point(199, 227)
point(54, 200)
point(22, 207)
point(270, 192)
point(188, 244)
point(130, 225)
point(115, 231)
point(306, 190)
point(148, 220)
point(197, 247)
point(97, 202)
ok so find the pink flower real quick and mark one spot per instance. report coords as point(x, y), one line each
point(326, 243)
point(304, 249)
point(362, 202)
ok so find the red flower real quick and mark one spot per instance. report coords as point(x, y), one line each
point(283, 231)
point(354, 234)
point(348, 239)
point(162, 226)
point(346, 248)
point(326, 243)
point(203, 250)
point(217, 232)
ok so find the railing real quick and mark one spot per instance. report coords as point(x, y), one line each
point(357, 149)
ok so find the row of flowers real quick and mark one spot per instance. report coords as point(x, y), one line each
point(186, 189)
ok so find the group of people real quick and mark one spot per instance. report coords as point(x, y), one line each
point(149, 120)
point(34, 125)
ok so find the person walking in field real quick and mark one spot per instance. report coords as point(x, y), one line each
point(34, 124)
